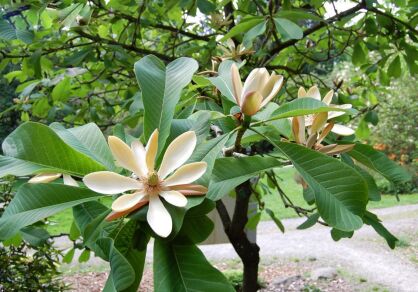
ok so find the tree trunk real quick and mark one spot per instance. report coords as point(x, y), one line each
point(234, 229)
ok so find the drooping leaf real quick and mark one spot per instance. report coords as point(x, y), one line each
point(161, 88)
point(372, 220)
point(379, 162)
point(276, 220)
point(230, 172)
point(34, 202)
point(311, 221)
point(359, 56)
point(340, 192)
point(253, 33)
point(337, 234)
point(184, 268)
point(395, 69)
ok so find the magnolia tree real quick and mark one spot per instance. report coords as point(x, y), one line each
point(164, 182)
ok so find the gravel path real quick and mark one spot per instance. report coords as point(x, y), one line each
point(366, 254)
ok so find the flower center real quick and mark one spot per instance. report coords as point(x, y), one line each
point(153, 179)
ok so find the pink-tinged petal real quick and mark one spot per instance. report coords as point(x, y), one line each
point(190, 189)
point(69, 181)
point(123, 154)
point(301, 92)
point(186, 174)
point(177, 153)
point(319, 122)
point(328, 127)
point(151, 150)
point(236, 83)
point(313, 92)
point(298, 129)
point(328, 97)
point(340, 149)
point(158, 217)
point(174, 198)
point(255, 81)
point(127, 201)
point(115, 215)
point(251, 103)
point(44, 178)
point(274, 84)
point(140, 156)
point(342, 130)
point(110, 183)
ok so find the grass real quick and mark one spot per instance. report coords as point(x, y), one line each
point(62, 221)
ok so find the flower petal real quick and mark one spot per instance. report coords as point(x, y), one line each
point(110, 183)
point(298, 129)
point(328, 97)
point(177, 153)
point(251, 103)
point(44, 178)
point(342, 130)
point(127, 201)
point(69, 181)
point(158, 217)
point(313, 92)
point(255, 81)
point(140, 156)
point(319, 122)
point(123, 154)
point(190, 189)
point(274, 84)
point(151, 150)
point(337, 114)
point(301, 92)
point(174, 198)
point(186, 174)
point(236, 83)
point(115, 215)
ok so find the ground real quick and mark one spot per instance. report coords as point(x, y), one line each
point(363, 263)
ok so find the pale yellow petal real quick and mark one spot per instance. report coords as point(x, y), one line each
point(140, 156)
point(301, 92)
point(274, 89)
point(319, 122)
point(236, 83)
point(69, 181)
point(151, 150)
point(186, 174)
point(313, 92)
point(110, 183)
point(123, 154)
point(174, 198)
point(328, 97)
point(44, 178)
point(158, 217)
point(177, 153)
point(127, 201)
point(251, 103)
point(255, 81)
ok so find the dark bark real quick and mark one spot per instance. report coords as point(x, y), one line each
point(234, 229)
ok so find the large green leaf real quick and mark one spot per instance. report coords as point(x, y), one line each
point(378, 161)
point(340, 192)
point(184, 268)
point(208, 152)
point(34, 202)
point(300, 107)
point(288, 29)
point(18, 167)
point(242, 27)
point(87, 139)
point(161, 88)
point(38, 144)
point(230, 172)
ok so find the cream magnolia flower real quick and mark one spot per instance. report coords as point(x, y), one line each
point(317, 125)
point(49, 177)
point(172, 180)
point(318, 121)
point(259, 88)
